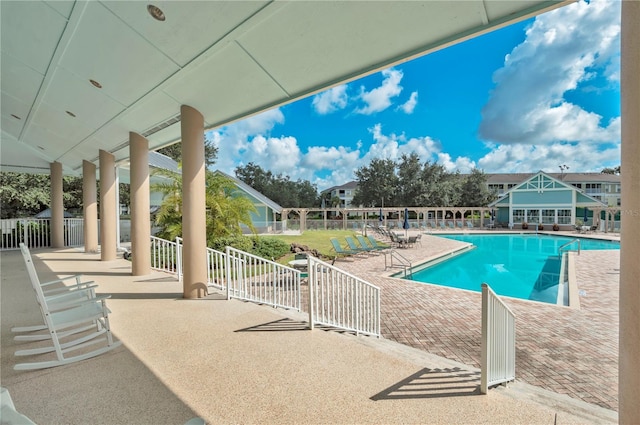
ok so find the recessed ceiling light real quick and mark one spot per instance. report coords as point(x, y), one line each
point(96, 84)
point(155, 12)
point(71, 114)
point(16, 117)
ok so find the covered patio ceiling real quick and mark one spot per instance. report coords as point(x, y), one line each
point(78, 76)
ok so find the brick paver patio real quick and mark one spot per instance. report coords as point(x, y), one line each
point(565, 350)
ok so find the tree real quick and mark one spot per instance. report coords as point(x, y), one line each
point(474, 190)
point(175, 152)
point(377, 184)
point(226, 209)
point(409, 181)
point(615, 170)
point(279, 188)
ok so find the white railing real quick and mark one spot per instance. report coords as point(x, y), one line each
point(165, 255)
point(498, 363)
point(33, 232)
point(256, 279)
point(73, 231)
point(216, 265)
point(339, 299)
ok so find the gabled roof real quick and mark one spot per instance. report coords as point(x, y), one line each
point(564, 177)
point(251, 191)
point(351, 185)
point(542, 181)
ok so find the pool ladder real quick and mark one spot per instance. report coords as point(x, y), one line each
point(404, 262)
point(567, 244)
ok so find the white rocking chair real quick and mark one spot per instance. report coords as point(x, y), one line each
point(75, 319)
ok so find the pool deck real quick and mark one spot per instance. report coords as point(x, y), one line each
point(564, 350)
point(236, 362)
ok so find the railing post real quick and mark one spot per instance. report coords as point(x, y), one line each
point(484, 347)
point(179, 257)
point(310, 285)
point(227, 266)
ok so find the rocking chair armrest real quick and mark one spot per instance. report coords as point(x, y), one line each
point(63, 279)
point(72, 288)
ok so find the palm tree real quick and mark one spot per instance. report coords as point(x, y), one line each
point(227, 210)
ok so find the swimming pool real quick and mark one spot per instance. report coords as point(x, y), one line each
point(521, 266)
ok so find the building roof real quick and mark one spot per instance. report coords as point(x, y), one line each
point(251, 191)
point(583, 198)
point(511, 178)
point(351, 185)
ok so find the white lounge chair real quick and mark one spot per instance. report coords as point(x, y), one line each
point(73, 327)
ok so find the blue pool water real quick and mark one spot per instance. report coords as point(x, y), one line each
point(520, 266)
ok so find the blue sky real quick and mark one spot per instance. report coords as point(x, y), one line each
point(528, 97)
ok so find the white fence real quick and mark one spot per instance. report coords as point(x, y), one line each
point(217, 267)
point(339, 299)
point(36, 232)
point(165, 256)
point(256, 279)
point(498, 363)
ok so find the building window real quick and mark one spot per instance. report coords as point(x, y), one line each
point(548, 216)
point(533, 216)
point(518, 216)
point(564, 216)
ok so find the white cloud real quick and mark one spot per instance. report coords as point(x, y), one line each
point(523, 158)
point(563, 48)
point(379, 99)
point(331, 100)
point(410, 104)
point(461, 164)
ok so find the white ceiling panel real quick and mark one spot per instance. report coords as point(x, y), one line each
point(30, 32)
point(12, 106)
point(228, 59)
point(89, 104)
point(52, 145)
point(10, 125)
point(105, 49)
point(208, 21)
point(138, 118)
point(19, 80)
point(232, 77)
point(63, 7)
point(13, 157)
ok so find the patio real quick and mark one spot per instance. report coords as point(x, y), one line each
point(236, 362)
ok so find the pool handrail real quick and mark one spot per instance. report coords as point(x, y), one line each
point(569, 243)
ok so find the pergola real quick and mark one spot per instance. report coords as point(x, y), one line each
point(89, 85)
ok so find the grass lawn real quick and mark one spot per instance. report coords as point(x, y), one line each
point(314, 239)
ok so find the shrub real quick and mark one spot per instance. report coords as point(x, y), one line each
point(269, 247)
point(241, 242)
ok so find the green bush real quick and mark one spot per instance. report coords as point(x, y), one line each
point(241, 242)
point(270, 247)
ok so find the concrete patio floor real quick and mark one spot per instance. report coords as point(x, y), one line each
point(237, 362)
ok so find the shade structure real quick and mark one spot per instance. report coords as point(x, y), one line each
point(405, 224)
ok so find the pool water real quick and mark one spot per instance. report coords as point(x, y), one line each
point(520, 266)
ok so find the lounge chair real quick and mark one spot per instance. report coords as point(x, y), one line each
point(442, 225)
point(367, 244)
point(469, 224)
point(374, 243)
point(459, 224)
point(354, 246)
point(91, 315)
point(451, 225)
point(340, 250)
